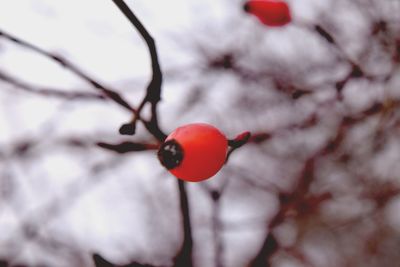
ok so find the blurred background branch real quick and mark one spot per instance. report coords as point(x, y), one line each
point(317, 183)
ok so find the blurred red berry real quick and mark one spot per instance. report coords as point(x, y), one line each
point(194, 152)
point(269, 12)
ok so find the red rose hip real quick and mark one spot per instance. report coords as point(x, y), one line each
point(194, 152)
point(272, 13)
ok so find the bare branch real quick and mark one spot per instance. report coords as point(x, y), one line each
point(48, 92)
point(184, 256)
point(127, 146)
point(109, 93)
point(99, 261)
point(153, 92)
point(237, 142)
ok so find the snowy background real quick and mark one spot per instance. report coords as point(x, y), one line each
point(63, 198)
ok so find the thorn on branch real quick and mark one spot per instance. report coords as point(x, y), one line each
point(128, 129)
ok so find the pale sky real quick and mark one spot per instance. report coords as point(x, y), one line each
point(109, 217)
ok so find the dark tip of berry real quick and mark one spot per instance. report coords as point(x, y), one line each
point(246, 7)
point(170, 154)
point(127, 129)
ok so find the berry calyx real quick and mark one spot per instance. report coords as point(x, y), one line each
point(194, 152)
point(170, 154)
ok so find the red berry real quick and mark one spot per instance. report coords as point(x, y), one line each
point(269, 12)
point(194, 152)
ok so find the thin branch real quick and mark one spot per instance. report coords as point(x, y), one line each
point(109, 93)
point(30, 225)
point(127, 146)
point(269, 247)
point(215, 195)
point(184, 256)
point(48, 92)
point(237, 142)
point(99, 261)
point(153, 92)
point(294, 199)
point(154, 86)
point(153, 96)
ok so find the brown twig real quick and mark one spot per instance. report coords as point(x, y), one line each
point(153, 96)
point(153, 92)
point(49, 92)
point(184, 256)
point(127, 146)
point(237, 142)
point(109, 93)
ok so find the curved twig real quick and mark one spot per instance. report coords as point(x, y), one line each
point(153, 92)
